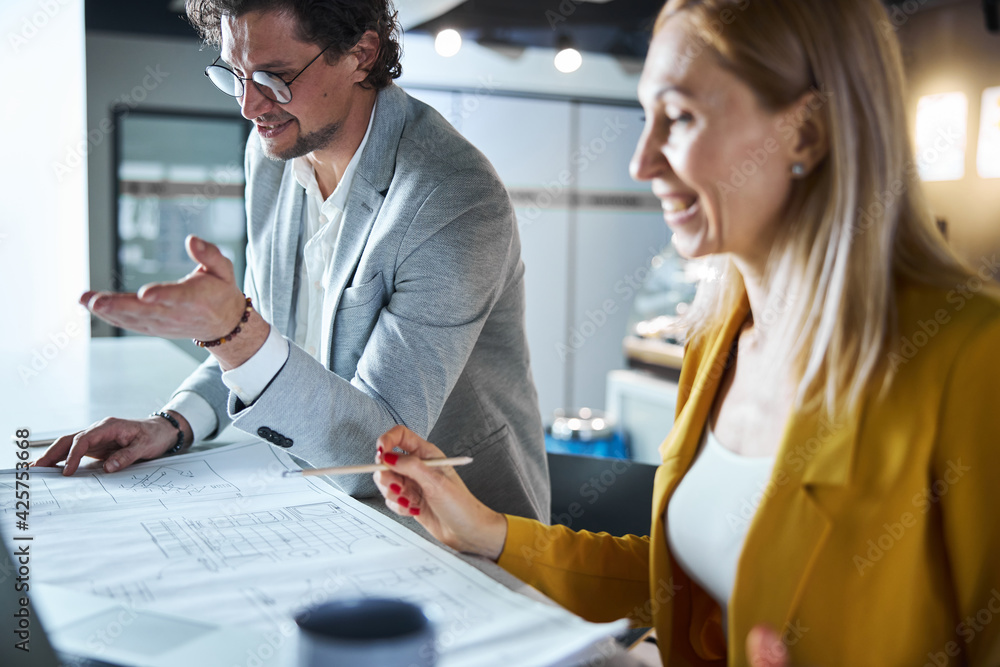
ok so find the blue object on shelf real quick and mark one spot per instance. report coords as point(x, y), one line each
point(585, 432)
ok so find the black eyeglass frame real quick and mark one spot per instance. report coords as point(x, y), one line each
point(244, 79)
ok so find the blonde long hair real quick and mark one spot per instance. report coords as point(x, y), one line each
point(859, 220)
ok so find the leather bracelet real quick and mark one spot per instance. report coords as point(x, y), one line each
point(231, 334)
point(180, 433)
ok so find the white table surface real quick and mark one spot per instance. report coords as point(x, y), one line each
point(130, 377)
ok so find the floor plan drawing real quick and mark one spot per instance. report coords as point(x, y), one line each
point(280, 535)
point(221, 534)
point(194, 479)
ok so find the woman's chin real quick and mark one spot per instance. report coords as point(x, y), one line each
point(690, 246)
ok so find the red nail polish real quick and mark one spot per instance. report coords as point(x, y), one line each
point(391, 458)
point(403, 502)
point(395, 488)
point(379, 450)
point(415, 511)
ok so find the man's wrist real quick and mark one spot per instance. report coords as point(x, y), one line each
point(237, 350)
point(184, 426)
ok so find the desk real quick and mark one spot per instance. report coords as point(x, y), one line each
point(131, 377)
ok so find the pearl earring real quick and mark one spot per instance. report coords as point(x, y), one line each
point(798, 169)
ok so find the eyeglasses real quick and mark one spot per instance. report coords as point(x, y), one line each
point(270, 85)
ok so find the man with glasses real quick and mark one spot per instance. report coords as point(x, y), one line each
point(384, 283)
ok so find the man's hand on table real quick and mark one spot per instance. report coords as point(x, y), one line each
point(118, 442)
point(206, 304)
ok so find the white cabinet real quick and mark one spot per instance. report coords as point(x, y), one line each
point(643, 406)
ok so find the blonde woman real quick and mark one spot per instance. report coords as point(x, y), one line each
point(826, 493)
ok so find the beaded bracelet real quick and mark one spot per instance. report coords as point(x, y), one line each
point(231, 334)
point(180, 434)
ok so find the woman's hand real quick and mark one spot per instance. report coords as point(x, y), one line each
point(436, 497)
point(765, 648)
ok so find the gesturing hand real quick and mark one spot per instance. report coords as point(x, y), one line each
point(436, 497)
point(206, 304)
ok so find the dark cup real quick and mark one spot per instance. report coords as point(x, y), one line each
point(365, 631)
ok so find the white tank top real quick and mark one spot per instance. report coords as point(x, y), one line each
point(710, 513)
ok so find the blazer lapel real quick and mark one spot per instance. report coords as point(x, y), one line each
point(375, 170)
point(678, 453)
point(695, 395)
point(362, 209)
point(791, 524)
point(287, 228)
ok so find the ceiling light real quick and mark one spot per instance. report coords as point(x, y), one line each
point(567, 59)
point(448, 42)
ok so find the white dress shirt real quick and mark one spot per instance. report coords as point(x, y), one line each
point(322, 221)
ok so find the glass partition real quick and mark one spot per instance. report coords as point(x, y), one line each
point(176, 174)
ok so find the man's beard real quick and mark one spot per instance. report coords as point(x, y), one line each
point(306, 143)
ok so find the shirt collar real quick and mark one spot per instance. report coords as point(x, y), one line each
point(304, 173)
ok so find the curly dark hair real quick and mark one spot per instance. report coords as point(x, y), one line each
point(338, 24)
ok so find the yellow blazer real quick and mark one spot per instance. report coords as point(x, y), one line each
point(877, 541)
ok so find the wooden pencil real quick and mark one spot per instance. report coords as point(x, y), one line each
point(373, 467)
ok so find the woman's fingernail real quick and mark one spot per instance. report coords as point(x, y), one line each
point(111, 465)
point(395, 488)
point(390, 458)
point(415, 511)
point(403, 502)
point(379, 450)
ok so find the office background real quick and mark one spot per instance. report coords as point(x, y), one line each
point(90, 81)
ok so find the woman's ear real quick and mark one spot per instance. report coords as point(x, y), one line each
point(810, 141)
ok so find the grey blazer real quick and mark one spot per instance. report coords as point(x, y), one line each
point(424, 313)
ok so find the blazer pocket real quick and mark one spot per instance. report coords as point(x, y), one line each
point(483, 445)
point(359, 295)
point(497, 476)
point(354, 323)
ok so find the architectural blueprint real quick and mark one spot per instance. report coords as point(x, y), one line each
point(220, 536)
